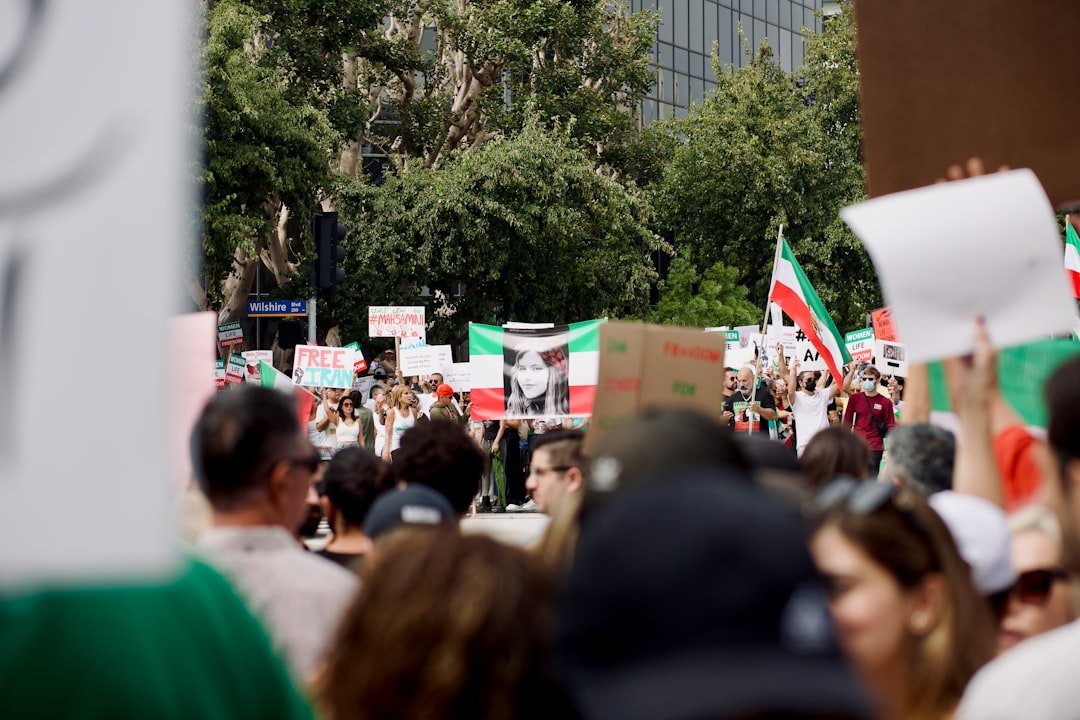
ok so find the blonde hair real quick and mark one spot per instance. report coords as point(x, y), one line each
point(395, 396)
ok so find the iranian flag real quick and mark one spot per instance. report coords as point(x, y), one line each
point(1072, 256)
point(792, 291)
point(271, 378)
point(539, 372)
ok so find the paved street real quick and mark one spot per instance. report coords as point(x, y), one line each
point(512, 528)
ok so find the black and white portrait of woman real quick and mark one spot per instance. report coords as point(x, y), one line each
point(535, 374)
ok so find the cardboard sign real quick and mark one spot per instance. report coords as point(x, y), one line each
point(891, 358)
point(780, 335)
point(230, 334)
point(860, 343)
point(643, 366)
point(252, 358)
point(359, 363)
point(219, 373)
point(458, 376)
point(924, 111)
point(315, 366)
point(398, 322)
point(425, 359)
point(883, 326)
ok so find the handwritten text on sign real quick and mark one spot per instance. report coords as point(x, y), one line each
point(392, 321)
point(316, 366)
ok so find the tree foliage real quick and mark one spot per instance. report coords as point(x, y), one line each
point(768, 148)
point(715, 299)
point(525, 226)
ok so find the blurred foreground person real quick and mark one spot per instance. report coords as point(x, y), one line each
point(185, 648)
point(907, 611)
point(835, 452)
point(921, 456)
point(441, 455)
point(449, 627)
point(1037, 679)
point(255, 467)
point(351, 483)
point(1041, 599)
point(695, 598)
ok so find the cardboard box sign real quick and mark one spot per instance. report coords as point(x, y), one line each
point(644, 366)
point(941, 82)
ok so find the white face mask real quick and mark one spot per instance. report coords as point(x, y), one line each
point(869, 385)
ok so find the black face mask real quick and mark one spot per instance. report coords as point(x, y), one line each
point(810, 385)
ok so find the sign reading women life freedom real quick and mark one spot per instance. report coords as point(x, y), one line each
point(535, 372)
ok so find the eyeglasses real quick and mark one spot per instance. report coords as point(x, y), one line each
point(1033, 587)
point(539, 472)
point(310, 464)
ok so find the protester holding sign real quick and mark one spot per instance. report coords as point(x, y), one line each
point(750, 405)
point(809, 403)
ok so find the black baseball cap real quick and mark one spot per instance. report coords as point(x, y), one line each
point(697, 598)
point(412, 505)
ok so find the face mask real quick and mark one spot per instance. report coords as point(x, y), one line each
point(811, 384)
point(868, 385)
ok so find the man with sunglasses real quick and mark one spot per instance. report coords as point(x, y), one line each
point(255, 466)
point(870, 414)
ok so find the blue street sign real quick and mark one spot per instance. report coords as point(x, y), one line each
point(277, 308)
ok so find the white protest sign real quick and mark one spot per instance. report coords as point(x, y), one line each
point(230, 334)
point(891, 358)
point(459, 376)
point(252, 358)
point(315, 366)
point(527, 326)
point(860, 343)
point(234, 369)
point(219, 374)
point(105, 490)
point(809, 358)
point(359, 362)
point(425, 359)
point(947, 254)
point(394, 321)
point(779, 335)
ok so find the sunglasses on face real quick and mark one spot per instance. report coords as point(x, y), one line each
point(1033, 587)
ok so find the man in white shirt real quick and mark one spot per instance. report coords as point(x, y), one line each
point(325, 421)
point(809, 401)
point(255, 466)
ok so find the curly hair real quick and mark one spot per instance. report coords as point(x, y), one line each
point(449, 626)
point(441, 455)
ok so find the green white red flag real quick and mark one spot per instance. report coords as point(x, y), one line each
point(1072, 256)
point(271, 378)
point(529, 373)
point(792, 291)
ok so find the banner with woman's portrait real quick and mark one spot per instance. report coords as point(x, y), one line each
point(534, 372)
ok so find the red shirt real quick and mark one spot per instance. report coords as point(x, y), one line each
point(1017, 454)
point(862, 407)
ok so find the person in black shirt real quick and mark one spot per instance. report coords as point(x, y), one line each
point(750, 406)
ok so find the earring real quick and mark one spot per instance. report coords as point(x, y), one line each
point(918, 621)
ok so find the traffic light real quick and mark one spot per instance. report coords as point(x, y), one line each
point(329, 253)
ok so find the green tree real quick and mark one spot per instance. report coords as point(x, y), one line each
point(694, 301)
point(523, 228)
point(768, 148)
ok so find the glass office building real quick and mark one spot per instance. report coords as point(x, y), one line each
point(689, 29)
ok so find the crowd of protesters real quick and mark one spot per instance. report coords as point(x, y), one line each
point(689, 570)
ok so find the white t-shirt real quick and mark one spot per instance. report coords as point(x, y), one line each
point(346, 434)
point(811, 415)
point(328, 437)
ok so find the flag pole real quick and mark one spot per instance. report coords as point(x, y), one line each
point(772, 278)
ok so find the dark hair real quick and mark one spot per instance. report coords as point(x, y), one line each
point(238, 435)
point(449, 626)
point(341, 410)
point(564, 447)
point(921, 456)
point(353, 479)
point(441, 455)
point(833, 452)
point(1062, 393)
point(911, 542)
point(871, 369)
